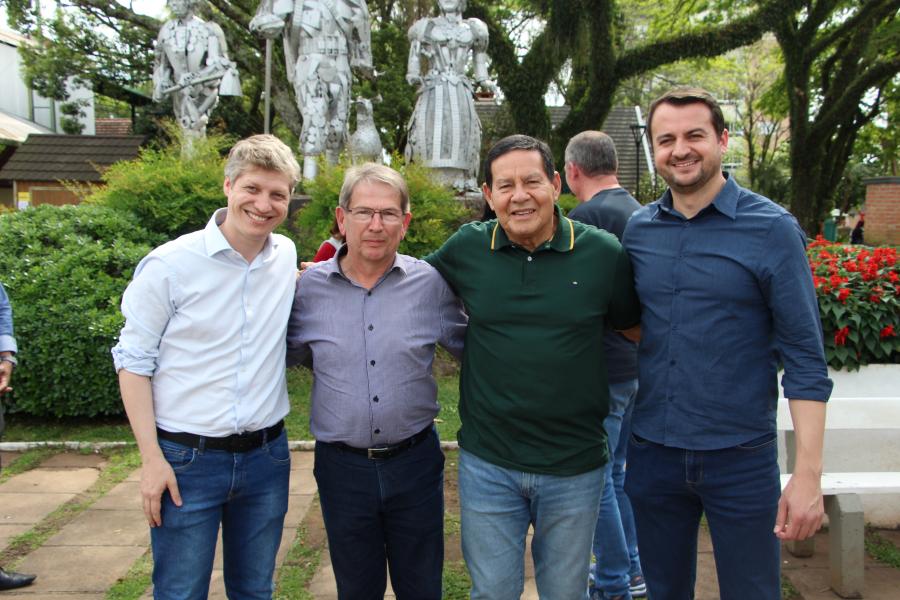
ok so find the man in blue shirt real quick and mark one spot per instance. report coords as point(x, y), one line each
point(591, 167)
point(727, 297)
point(8, 579)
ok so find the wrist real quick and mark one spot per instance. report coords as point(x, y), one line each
point(9, 357)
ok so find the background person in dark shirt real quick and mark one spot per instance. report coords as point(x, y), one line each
point(591, 167)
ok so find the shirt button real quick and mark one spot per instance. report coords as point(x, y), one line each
point(372, 363)
point(375, 399)
point(377, 431)
point(672, 362)
point(371, 327)
point(530, 259)
point(677, 291)
point(368, 293)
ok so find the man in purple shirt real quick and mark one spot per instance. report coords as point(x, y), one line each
point(726, 297)
point(368, 320)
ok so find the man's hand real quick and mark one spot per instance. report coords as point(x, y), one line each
point(6, 369)
point(157, 476)
point(633, 334)
point(801, 508)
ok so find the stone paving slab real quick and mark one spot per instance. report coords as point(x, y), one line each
point(78, 569)
point(28, 509)
point(125, 496)
point(25, 594)
point(104, 528)
point(60, 481)
point(74, 460)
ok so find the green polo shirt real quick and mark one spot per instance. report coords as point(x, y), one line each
point(533, 389)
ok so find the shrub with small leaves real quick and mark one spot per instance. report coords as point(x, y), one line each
point(858, 289)
point(167, 192)
point(65, 269)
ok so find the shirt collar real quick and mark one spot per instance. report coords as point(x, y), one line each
point(563, 239)
point(332, 267)
point(215, 240)
point(725, 202)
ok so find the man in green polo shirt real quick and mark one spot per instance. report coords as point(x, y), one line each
point(539, 290)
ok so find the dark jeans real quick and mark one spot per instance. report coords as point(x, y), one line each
point(736, 488)
point(384, 511)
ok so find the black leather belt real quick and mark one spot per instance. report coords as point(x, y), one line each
point(386, 451)
point(238, 442)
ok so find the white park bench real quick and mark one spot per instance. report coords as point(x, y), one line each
point(842, 490)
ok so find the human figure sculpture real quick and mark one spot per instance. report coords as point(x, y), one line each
point(192, 66)
point(324, 41)
point(444, 131)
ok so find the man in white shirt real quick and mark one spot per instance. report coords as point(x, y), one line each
point(201, 363)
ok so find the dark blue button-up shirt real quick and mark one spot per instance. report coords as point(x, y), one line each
point(727, 296)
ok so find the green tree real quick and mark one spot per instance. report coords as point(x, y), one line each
point(839, 57)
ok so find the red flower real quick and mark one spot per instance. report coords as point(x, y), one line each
point(843, 294)
point(837, 280)
point(892, 276)
point(888, 332)
point(840, 336)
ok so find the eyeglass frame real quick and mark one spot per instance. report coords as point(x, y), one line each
point(373, 211)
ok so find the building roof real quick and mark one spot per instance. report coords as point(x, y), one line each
point(14, 130)
point(112, 126)
point(68, 157)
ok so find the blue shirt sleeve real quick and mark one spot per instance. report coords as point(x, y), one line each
point(787, 285)
point(7, 341)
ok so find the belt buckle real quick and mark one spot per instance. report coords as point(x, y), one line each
point(374, 453)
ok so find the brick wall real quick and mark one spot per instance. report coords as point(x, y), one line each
point(882, 210)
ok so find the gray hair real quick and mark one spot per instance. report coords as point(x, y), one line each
point(594, 152)
point(262, 152)
point(373, 173)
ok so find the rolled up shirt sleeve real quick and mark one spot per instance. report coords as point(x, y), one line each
point(147, 305)
point(788, 288)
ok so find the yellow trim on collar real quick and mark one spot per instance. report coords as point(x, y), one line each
point(571, 233)
point(494, 234)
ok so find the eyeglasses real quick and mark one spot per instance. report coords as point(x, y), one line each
point(389, 216)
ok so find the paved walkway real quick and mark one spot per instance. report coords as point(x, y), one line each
point(87, 556)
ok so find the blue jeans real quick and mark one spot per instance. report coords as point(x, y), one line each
point(247, 493)
point(738, 490)
point(384, 511)
point(615, 540)
point(496, 507)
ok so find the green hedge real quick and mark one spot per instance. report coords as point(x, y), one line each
point(65, 269)
point(168, 193)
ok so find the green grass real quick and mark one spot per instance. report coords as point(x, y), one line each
point(882, 549)
point(133, 585)
point(300, 564)
point(456, 581)
point(788, 591)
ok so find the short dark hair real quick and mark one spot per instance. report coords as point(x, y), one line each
point(682, 96)
point(518, 142)
point(594, 152)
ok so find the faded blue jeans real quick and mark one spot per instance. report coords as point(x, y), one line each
point(496, 507)
point(247, 493)
point(615, 539)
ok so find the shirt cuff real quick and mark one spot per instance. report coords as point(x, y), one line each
point(8, 344)
point(134, 361)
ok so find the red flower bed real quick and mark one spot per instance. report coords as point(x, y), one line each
point(859, 301)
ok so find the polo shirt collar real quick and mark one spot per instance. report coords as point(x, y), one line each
point(725, 202)
point(563, 239)
point(332, 267)
point(215, 241)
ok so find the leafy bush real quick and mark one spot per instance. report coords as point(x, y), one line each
point(858, 289)
point(436, 211)
point(168, 193)
point(65, 269)
point(567, 202)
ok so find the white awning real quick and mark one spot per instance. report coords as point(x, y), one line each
point(14, 130)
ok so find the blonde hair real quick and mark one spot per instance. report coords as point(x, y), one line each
point(373, 173)
point(262, 152)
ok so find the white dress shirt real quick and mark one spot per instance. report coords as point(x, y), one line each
point(209, 330)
